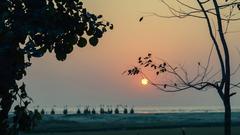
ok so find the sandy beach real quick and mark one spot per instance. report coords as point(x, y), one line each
point(134, 124)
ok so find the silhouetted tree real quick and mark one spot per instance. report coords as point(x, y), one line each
point(116, 111)
point(30, 28)
point(132, 111)
point(110, 111)
point(86, 111)
point(93, 111)
point(37, 114)
point(52, 112)
point(42, 112)
point(78, 111)
point(218, 16)
point(125, 111)
point(102, 111)
point(36, 117)
point(65, 111)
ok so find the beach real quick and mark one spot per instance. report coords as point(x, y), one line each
point(174, 131)
point(134, 124)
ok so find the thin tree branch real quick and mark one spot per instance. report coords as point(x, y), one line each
point(215, 43)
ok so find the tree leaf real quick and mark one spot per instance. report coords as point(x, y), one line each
point(100, 16)
point(82, 42)
point(61, 56)
point(93, 41)
point(111, 27)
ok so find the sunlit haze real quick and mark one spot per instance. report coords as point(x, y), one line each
point(144, 81)
point(93, 75)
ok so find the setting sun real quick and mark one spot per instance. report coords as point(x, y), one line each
point(144, 81)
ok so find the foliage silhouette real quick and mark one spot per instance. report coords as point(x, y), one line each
point(52, 112)
point(93, 111)
point(125, 111)
point(86, 111)
point(78, 111)
point(110, 111)
point(132, 111)
point(42, 112)
point(116, 111)
point(102, 111)
point(30, 28)
point(218, 15)
point(65, 111)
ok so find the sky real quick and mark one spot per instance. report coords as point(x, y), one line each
point(93, 75)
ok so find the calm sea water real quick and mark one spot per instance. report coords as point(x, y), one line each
point(138, 109)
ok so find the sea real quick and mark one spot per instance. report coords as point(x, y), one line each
point(176, 116)
point(137, 109)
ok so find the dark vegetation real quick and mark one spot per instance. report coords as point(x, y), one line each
point(31, 28)
point(91, 110)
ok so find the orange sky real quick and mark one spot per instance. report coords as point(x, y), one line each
point(93, 75)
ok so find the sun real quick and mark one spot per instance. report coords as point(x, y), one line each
point(144, 81)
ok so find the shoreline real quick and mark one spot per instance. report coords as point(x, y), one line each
point(138, 109)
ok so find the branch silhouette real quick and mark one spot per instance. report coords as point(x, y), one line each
point(218, 17)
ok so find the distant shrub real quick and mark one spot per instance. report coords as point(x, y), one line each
point(37, 115)
point(36, 111)
point(102, 111)
point(65, 111)
point(110, 111)
point(52, 111)
point(125, 111)
point(86, 111)
point(132, 111)
point(42, 112)
point(78, 111)
point(93, 111)
point(116, 111)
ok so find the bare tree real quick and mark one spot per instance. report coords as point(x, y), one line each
point(218, 16)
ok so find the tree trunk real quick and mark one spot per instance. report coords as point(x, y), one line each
point(6, 83)
point(227, 76)
point(227, 117)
